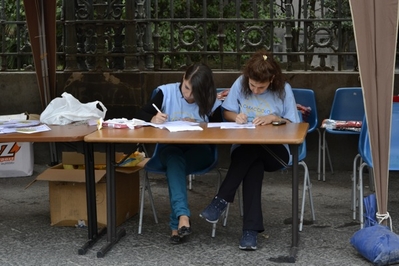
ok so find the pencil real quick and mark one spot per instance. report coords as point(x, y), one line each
point(156, 108)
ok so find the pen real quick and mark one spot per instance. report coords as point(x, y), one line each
point(156, 108)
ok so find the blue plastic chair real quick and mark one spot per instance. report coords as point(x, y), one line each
point(307, 98)
point(347, 106)
point(365, 153)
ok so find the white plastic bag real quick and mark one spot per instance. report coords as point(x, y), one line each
point(68, 109)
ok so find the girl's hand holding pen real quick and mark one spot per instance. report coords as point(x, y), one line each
point(241, 118)
point(160, 117)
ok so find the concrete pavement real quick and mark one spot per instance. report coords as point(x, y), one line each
point(26, 237)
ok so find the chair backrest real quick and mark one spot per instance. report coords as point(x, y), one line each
point(154, 92)
point(307, 98)
point(364, 141)
point(348, 104)
point(302, 151)
point(394, 151)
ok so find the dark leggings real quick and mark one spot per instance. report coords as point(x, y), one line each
point(248, 164)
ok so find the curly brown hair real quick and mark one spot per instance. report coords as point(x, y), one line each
point(262, 67)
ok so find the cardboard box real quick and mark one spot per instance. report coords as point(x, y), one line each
point(67, 191)
point(16, 159)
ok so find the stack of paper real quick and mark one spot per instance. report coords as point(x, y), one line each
point(176, 126)
point(22, 126)
point(124, 123)
point(231, 125)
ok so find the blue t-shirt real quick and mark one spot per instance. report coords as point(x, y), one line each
point(178, 108)
point(256, 105)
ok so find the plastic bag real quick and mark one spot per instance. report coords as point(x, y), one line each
point(68, 109)
point(370, 210)
point(378, 244)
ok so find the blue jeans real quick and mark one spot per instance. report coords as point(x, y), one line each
point(180, 161)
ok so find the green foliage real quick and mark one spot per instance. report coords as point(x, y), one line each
point(14, 37)
point(212, 29)
point(10, 32)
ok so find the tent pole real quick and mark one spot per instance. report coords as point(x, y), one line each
point(45, 76)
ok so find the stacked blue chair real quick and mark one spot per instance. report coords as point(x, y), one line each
point(365, 153)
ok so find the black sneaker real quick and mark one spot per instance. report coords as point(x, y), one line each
point(248, 240)
point(214, 210)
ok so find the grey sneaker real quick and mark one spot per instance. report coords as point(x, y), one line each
point(214, 210)
point(248, 240)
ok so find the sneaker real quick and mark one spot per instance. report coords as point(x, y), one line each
point(248, 240)
point(214, 210)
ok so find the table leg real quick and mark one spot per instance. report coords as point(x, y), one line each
point(112, 236)
point(93, 233)
point(295, 230)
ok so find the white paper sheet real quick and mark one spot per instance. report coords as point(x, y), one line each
point(231, 125)
point(176, 126)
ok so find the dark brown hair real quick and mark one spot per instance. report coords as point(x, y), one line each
point(204, 91)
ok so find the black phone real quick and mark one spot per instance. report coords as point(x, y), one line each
point(278, 123)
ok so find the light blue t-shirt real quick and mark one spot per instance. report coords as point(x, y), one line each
point(177, 107)
point(256, 105)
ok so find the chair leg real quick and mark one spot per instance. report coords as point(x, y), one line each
point(360, 188)
point(213, 230)
point(325, 148)
point(190, 182)
point(329, 159)
point(324, 155)
point(307, 186)
point(354, 180)
point(146, 186)
point(151, 199)
point(319, 156)
point(226, 214)
point(311, 199)
point(141, 208)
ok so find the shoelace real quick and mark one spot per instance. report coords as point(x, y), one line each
point(249, 233)
point(220, 204)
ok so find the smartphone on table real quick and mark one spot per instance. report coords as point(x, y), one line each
point(279, 123)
